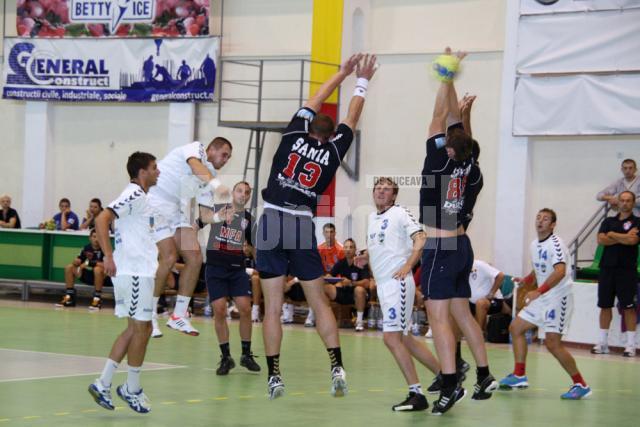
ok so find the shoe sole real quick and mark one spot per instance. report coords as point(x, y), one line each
point(251, 371)
point(98, 398)
point(192, 333)
point(580, 398)
point(339, 388)
point(489, 391)
point(513, 387)
point(276, 393)
point(438, 413)
point(129, 405)
point(409, 409)
point(157, 336)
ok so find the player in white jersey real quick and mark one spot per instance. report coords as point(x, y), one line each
point(187, 172)
point(394, 245)
point(548, 307)
point(133, 266)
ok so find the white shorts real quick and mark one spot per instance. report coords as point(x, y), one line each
point(549, 314)
point(396, 301)
point(168, 216)
point(134, 297)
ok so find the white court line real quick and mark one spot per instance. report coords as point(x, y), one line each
point(163, 366)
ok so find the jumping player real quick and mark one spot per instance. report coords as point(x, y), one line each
point(395, 241)
point(450, 181)
point(132, 265)
point(303, 166)
point(548, 307)
point(187, 171)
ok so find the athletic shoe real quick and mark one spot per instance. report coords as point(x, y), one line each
point(248, 361)
point(287, 313)
point(101, 394)
point(600, 349)
point(182, 324)
point(484, 389)
point(359, 326)
point(429, 333)
point(436, 385)
point(338, 382)
point(310, 322)
point(577, 392)
point(208, 311)
point(275, 387)
point(96, 304)
point(446, 402)
point(67, 301)
point(413, 402)
point(629, 352)
point(512, 381)
point(462, 366)
point(226, 364)
point(156, 332)
point(136, 401)
point(379, 324)
point(255, 313)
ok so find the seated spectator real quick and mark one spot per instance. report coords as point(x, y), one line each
point(485, 282)
point(331, 251)
point(353, 289)
point(8, 217)
point(628, 182)
point(293, 295)
point(89, 222)
point(64, 220)
point(87, 267)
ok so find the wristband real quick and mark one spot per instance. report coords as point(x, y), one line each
point(361, 87)
point(544, 288)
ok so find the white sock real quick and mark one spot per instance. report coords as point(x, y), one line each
point(631, 339)
point(133, 379)
point(255, 307)
point(107, 373)
point(155, 306)
point(359, 316)
point(311, 314)
point(182, 305)
point(604, 337)
point(416, 388)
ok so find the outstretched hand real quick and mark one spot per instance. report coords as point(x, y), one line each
point(466, 103)
point(350, 64)
point(367, 67)
point(459, 54)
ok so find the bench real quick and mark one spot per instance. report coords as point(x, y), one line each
point(25, 287)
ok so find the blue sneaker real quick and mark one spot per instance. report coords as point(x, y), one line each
point(101, 395)
point(577, 392)
point(136, 401)
point(512, 381)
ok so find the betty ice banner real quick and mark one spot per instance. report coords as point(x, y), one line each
point(120, 18)
point(110, 70)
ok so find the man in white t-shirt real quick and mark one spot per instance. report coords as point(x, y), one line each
point(485, 282)
point(133, 266)
point(394, 245)
point(188, 171)
point(548, 307)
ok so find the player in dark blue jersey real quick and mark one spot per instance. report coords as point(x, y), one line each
point(303, 166)
point(226, 276)
point(451, 184)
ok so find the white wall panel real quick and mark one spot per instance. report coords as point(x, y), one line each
point(577, 105)
point(530, 7)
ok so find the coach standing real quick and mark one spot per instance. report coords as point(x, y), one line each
point(619, 271)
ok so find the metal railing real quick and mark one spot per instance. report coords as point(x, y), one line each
point(584, 233)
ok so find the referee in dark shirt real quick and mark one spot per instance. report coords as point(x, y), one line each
point(619, 272)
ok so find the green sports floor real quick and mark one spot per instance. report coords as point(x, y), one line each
point(49, 357)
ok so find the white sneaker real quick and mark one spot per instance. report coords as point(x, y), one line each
point(139, 401)
point(156, 332)
point(359, 326)
point(600, 349)
point(429, 334)
point(255, 313)
point(182, 324)
point(310, 322)
point(101, 395)
point(338, 382)
point(629, 352)
point(287, 313)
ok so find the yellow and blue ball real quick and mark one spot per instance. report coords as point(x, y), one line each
point(445, 67)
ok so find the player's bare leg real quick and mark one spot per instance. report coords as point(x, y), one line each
point(520, 348)
point(421, 353)
point(470, 329)
point(273, 294)
point(328, 330)
point(394, 342)
point(220, 320)
point(553, 342)
point(482, 309)
point(443, 337)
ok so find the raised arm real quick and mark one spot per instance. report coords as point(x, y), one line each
point(465, 105)
point(327, 88)
point(364, 72)
point(446, 105)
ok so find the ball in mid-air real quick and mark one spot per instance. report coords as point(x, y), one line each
point(445, 67)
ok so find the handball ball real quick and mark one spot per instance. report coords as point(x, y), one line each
point(445, 67)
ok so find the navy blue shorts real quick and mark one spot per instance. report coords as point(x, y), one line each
point(286, 244)
point(446, 265)
point(223, 282)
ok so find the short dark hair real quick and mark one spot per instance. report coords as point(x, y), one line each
point(629, 161)
point(351, 240)
point(64, 200)
point(219, 142)
point(633, 195)
point(240, 183)
point(475, 149)
point(386, 179)
point(329, 225)
point(93, 231)
point(138, 161)
point(461, 143)
point(551, 212)
point(96, 201)
point(323, 126)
